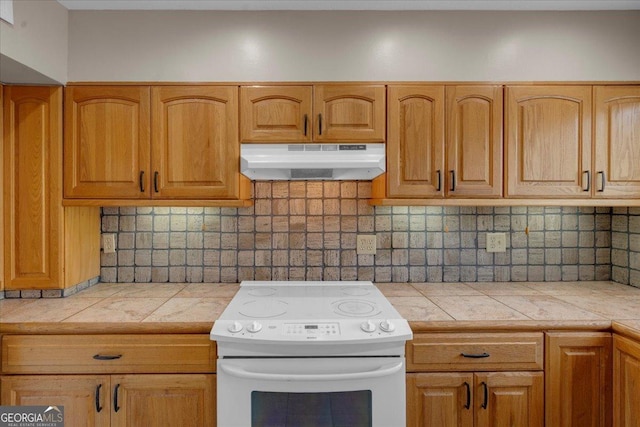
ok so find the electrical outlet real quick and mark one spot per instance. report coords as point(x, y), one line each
point(366, 244)
point(109, 243)
point(496, 242)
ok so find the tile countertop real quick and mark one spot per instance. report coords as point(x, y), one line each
point(192, 308)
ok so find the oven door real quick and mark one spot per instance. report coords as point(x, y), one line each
point(318, 392)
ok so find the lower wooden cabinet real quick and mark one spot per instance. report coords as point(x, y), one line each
point(179, 400)
point(475, 399)
point(578, 379)
point(626, 382)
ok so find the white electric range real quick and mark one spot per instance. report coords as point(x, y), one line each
point(310, 353)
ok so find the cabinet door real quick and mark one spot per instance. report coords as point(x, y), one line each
point(32, 197)
point(415, 146)
point(440, 400)
point(578, 379)
point(275, 113)
point(349, 113)
point(617, 132)
point(548, 141)
point(106, 145)
point(163, 400)
point(196, 153)
point(626, 382)
point(474, 141)
point(86, 399)
point(509, 399)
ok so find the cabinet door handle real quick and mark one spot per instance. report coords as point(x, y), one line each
point(141, 181)
point(98, 406)
point(115, 398)
point(453, 180)
point(439, 186)
point(485, 401)
point(588, 180)
point(155, 181)
point(468, 404)
point(306, 120)
point(319, 124)
point(107, 356)
point(603, 181)
point(475, 355)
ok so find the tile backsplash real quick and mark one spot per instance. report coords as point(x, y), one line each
point(307, 231)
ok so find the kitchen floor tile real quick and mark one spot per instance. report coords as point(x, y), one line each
point(445, 289)
point(189, 310)
point(465, 307)
point(208, 290)
point(545, 307)
point(418, 309)
point(118, 309)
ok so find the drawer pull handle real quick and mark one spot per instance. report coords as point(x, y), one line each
point(485, 402)
point(468, 404)
point(475, 356)
point(107, 357)
point(98, 406)
point(115, 398)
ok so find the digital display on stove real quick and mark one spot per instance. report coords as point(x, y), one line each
point(311, 326)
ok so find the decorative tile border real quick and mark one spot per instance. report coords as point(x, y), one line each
point(51, 293)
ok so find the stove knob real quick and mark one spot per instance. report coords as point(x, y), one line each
point(387, 326)
point(235, 327)
point(368, 326)
point(254, 327)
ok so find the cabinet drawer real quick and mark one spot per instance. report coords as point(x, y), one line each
point(76, 354)
point(475, 352)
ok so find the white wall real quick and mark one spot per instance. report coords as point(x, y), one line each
point(38, 40)
point(318, 46)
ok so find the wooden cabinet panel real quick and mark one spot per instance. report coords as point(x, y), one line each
point(484, 351)
point(415, 144)
point(275, 113)
point(107, 142)
point(626, 382)
point(2, 187)
point(548, 141)
point(578, 379)
point(196, 153)
point(164, 400)
point(78, 394)
point(509, 399)
point(32, 209)
point(474, 141)
point(617, 132)
point(349, 113)
point(440, 400)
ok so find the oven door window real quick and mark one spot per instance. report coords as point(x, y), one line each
point(330, 409)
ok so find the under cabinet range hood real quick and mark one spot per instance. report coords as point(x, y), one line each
point(288, 162)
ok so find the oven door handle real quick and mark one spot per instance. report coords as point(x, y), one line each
point(382, 371)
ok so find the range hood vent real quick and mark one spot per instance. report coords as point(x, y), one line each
point(287, 162)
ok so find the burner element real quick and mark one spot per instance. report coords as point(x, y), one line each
point(355, 308)
point(355, 291)
point(263, 308)
point(262, 292)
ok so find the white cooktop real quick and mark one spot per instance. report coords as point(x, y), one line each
point(303, 313)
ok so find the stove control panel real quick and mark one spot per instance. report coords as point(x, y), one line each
point(311, 329)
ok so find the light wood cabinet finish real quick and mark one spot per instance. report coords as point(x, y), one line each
point(475, 351)
point(2, 187)
point(107, 142)
point(475, 399)
point(185, 400)
point(196, 152)
point(276, 113)
point(548, 141)
point(617, 136)
point(349, 113)
point(415, 144)
point(626, 382)
point(578, 379)
point(474, 141)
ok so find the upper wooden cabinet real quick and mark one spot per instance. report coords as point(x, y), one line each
point(320, 113)
point(617, 141)
point(160, 142)
point(474, 141)
point(107, 142)
point(548, 141)
point(415, 144)
point(195, 149)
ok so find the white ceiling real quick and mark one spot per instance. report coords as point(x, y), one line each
point(351, 4)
